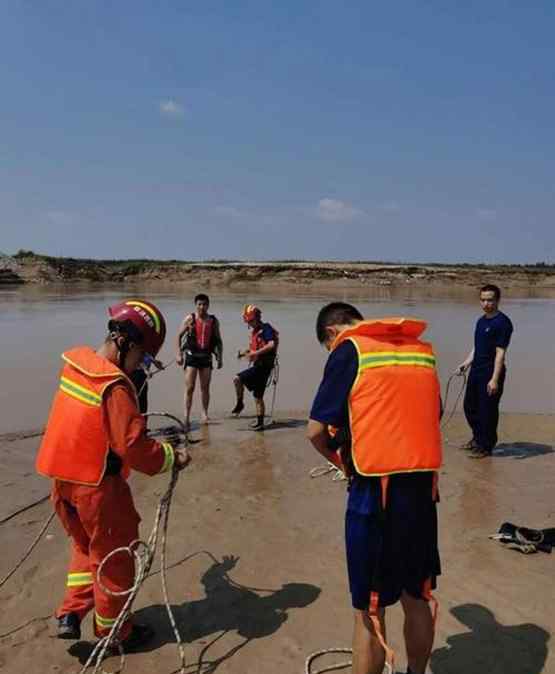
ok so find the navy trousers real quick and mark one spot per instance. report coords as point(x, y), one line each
point(482, 410)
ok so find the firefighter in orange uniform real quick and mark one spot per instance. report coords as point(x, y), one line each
point(94, 436)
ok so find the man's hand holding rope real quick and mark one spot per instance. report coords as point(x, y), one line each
point(182, 458)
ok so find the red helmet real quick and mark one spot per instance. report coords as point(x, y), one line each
point(146, 318)
point(251, 312)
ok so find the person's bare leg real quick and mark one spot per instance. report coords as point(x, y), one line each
point(205, 375)
point(419, 632)
point(190, 381)
point(368, 654)
point(260, 407)
point(240, 392)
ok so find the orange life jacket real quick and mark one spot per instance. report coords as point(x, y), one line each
point(394, 404)
point(75, 444)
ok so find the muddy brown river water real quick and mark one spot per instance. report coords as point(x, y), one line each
point(37, 325)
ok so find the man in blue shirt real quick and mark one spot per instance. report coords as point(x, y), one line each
point(487, 373)
point(394, 549)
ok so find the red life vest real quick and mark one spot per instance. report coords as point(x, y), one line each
point(394, 404)
point(201, 336)
point(257, 341)
point(204, 330)
point(75, 444)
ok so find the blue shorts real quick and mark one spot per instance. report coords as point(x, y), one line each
point(255, 378)
point(396, 550)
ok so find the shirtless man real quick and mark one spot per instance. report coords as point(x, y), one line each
point(198, 338)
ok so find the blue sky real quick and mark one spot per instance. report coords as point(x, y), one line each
point(417, 131)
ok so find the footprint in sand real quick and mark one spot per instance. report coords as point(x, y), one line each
point(29, 573)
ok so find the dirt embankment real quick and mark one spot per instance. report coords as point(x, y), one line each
point(39, 269)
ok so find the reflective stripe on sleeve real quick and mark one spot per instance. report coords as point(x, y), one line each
point(77, 579)
point(169, 457)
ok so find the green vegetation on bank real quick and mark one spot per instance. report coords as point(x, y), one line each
point(133, 266)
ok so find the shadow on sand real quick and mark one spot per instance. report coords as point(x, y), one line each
point(286, 423)
point(276, 424)
point(521, 450)
point(489, 647)
point(251, 613)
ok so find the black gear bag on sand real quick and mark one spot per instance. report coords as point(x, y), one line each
point(524, 539)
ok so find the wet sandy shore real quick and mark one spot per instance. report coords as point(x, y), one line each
point(257, 573)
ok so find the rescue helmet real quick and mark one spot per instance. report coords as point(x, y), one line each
point(251, 312)
point(142, 321)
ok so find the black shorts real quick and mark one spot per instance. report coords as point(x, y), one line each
point(198, 360)
point(397, 552)
point(255, 378)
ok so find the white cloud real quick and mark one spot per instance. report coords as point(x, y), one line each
point(334, 210)
point(171, 108)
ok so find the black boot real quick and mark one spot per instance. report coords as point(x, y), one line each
point(239, 407)
point(258, 424)
point(69, 626)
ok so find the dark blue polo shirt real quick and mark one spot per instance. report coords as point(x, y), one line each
point(267, 334)
point(489, 334)
point(330, 405)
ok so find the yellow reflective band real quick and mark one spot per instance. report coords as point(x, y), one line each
point(76, 579)
point(80, 392)
point(169, 457)
point(387, 358)
point(149, 311)
point(104, 622)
